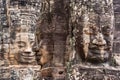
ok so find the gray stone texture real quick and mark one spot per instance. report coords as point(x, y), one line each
point(74, 39)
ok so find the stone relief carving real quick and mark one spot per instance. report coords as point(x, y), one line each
point(88, 22)
point(93, 28)
point(23, 53)
point(98, 48)
point(53, 32)
point(89, 28)
point(45, 51)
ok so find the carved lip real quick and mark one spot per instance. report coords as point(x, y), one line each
point(27, 59)
point(28, 55)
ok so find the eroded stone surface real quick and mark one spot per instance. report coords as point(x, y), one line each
point(80, 29)
point(94, 28)
point(53, 32)
point(20, 73)
point(81, 72)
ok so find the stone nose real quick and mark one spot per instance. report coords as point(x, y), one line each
point(28, 50)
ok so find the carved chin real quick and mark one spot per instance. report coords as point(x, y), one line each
point(27, 59)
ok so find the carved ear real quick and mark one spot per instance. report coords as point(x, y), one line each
point(11, 48)
point(35, 49)
point(40, 44)
point(36, 46)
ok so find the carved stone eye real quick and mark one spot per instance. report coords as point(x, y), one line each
point(21, 44)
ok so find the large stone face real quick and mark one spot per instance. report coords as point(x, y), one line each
point(54, 35)
point(94, 29)
point(23, 48)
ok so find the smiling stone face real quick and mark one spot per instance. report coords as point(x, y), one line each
point(23, 45)
point(97, 49)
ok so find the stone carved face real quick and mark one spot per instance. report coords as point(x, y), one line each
point(23, 48)
point(98, 48)
point(46, 52)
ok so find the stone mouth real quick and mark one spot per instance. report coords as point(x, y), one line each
point(27, 57)
point(27, 54)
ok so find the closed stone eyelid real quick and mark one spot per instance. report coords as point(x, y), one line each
point(21, 42)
